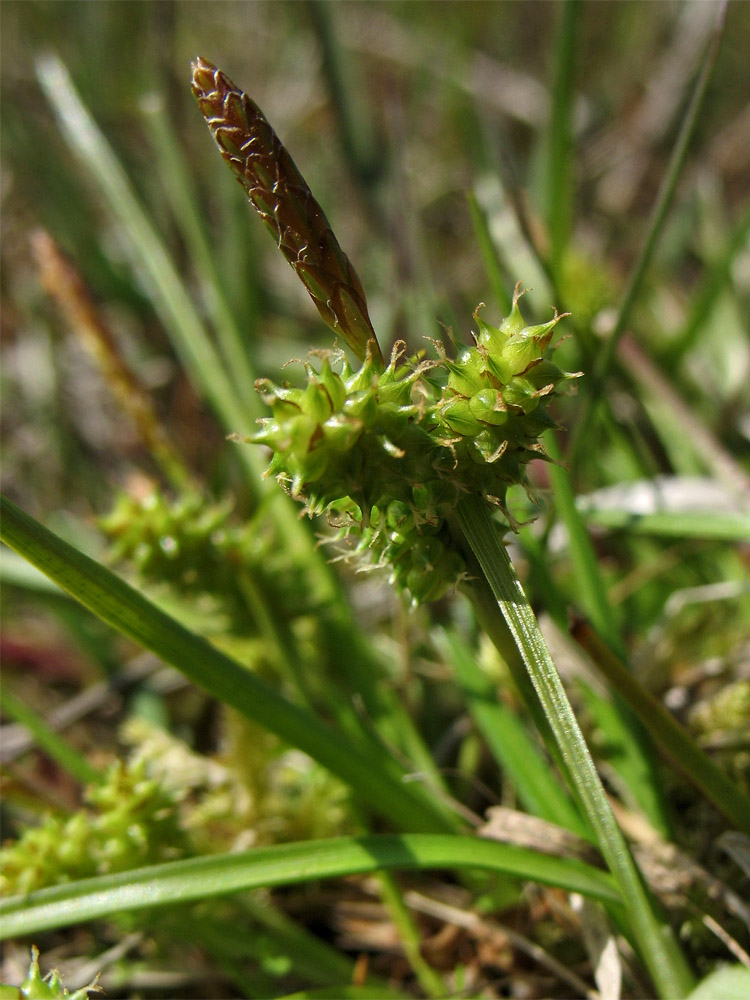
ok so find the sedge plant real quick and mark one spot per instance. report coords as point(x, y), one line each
point(410, 458)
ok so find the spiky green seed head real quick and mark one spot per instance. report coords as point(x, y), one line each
point(387, 453)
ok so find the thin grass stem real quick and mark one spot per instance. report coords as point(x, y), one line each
point(68, 758)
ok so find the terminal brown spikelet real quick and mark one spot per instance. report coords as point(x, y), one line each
point(283, 200)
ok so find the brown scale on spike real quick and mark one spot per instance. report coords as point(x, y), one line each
point(283, 200)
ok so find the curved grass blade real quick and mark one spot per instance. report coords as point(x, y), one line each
point(280, 195)
point(379, 782)
point(193, 879)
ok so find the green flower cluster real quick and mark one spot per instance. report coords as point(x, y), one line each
point(388, 452)
point(192, 545)
point(132, 821)
point(183, 541)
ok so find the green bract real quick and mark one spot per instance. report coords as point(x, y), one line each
point(387, 453)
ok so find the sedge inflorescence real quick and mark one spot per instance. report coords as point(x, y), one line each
point(387, 452)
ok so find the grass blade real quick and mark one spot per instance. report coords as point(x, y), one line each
point(48, 740)
point(377, 780)
point(716, 527)
point(288, 864)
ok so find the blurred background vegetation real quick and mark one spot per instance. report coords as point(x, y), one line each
point(396, 112)
point(423, 128)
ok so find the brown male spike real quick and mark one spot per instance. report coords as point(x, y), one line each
point(283, 200)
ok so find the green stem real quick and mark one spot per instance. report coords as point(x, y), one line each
point(429, 980)
point(658, 948)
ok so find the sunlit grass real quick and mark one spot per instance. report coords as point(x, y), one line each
point(446, 180)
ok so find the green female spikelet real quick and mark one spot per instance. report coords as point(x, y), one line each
point(388, 453)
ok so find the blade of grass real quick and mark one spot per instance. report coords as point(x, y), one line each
point(288, 864)
point(429, 980)
point(48, 740)
point(592, 389)
point(657, 946)
point(717, 527)
point(377, 781)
